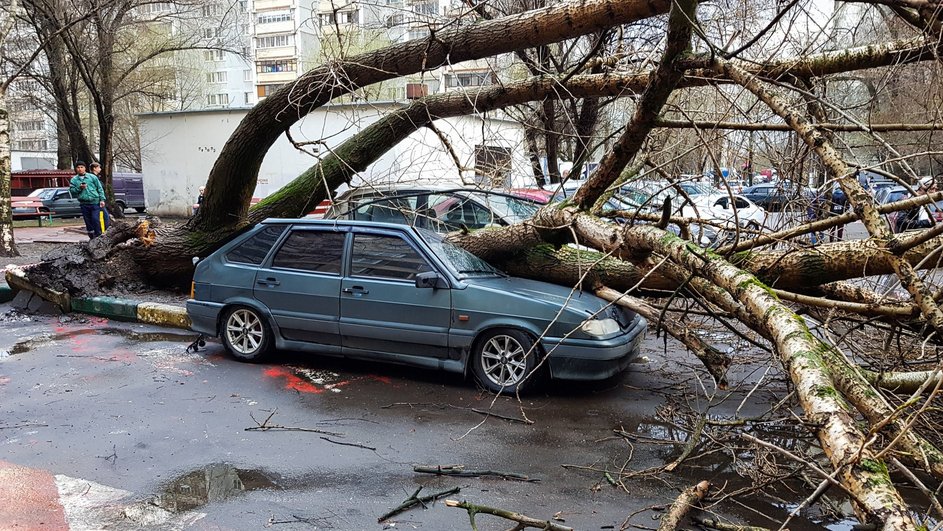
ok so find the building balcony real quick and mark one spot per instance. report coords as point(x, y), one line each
point(282, 52)
point(265, 78)
point(287, 26)
point(264, 5)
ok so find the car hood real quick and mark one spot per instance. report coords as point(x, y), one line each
point(537, 291)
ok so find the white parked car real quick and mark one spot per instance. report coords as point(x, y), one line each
point(717, 208)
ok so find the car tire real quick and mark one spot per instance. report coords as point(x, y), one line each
point(139, 210)
point(120, 206)
point(246, 334)
point(504, 360)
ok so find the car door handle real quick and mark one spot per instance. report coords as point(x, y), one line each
point(356, 290)
point(270, 281)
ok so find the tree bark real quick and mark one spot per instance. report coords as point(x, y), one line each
point(7, 243)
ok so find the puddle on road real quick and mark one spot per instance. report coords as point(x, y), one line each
point(212, 483)
point(30, 343)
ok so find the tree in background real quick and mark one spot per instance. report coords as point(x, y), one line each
point(123, 59)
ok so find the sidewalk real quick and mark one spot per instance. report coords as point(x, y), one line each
point(60, 234)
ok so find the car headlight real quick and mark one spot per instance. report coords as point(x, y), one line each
point(600, 327)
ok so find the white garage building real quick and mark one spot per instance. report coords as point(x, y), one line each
point(179, 149)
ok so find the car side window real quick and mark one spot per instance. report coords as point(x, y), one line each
point(456, 211)
point(254, 250)
point(316, 251)
point(383, 256)
point(739, 203)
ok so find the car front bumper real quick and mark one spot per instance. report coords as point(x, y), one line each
point(595, 360)
point(204, 316)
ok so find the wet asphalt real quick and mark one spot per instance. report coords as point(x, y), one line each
point(125, 406)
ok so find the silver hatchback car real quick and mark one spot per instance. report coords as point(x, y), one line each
point(402, 294)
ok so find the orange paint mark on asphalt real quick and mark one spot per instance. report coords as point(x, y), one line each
point(292, 381)
point(382, 379)
point(29, 499)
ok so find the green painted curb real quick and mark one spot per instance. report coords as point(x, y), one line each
point(107, 307)
point(6, 293)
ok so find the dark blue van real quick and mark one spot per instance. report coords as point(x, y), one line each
point(129, 191)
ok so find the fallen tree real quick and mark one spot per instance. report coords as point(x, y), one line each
point(749, 282)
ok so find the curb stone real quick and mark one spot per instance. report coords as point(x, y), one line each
point(109, 307)
point(125, 310)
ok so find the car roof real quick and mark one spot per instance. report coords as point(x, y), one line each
point(394, 190)
point(312, 222)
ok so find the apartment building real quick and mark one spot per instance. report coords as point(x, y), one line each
point(33, 139)
point(284, 42)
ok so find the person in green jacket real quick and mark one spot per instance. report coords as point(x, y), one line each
point(88, 189)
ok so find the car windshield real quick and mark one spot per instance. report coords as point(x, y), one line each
point(461, 262)
point(510, 209)
point(695, 188)
point(43, 193)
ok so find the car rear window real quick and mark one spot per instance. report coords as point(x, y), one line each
point(254, 250)
point(316, 251)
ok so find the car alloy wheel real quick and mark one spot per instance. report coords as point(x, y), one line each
point(504, 359)
point(246, 334)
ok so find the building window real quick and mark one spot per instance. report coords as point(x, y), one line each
point(217, 77)
point(274, 41)
point(210, 33)
point(212, 10)
point(271, 18)
point(469, 79)
point(247, 75)
point(213, 55)
point(426, 8)
point(32, 125)
point(244, 5)
point(248, 98)
point(339, 17)
point(217, 99)
point(265, 91)
point(418, 33)
point(31, 145)
point(270, 67)
point(153, 8)
point(492, 166)
point(27, 85)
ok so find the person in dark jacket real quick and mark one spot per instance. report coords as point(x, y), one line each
point(837, 205)
point(88, 189)
point(96, 169)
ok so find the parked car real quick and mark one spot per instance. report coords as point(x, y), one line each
point(129, 191)
point(716, 208)
point(776, 196)
point(892, 195)
point(436, 208)
point(401, 294)
point(59, 201)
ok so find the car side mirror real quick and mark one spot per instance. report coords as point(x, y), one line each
point(430, 279)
